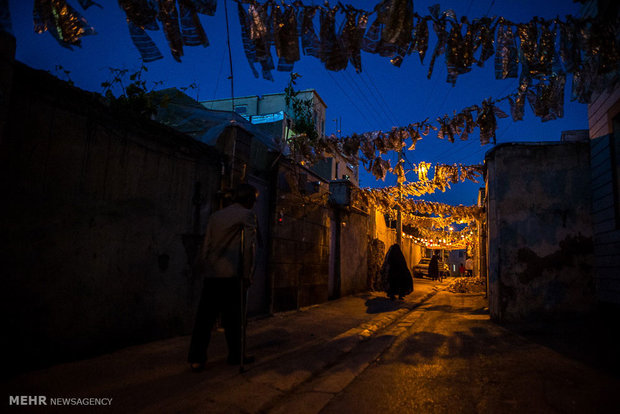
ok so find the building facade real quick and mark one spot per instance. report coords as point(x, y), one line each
point(270, 114)
point(604, 121)
point(604, 125)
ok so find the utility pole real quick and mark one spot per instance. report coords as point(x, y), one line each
point(399, 219)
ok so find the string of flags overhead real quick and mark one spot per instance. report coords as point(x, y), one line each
point(426, 222)
point(544, 50)
point(384, 201)
point(444, 239)
point(369, 147)
point(541, 53)
point(397, 31)
point(587, 48)
point(443, 176)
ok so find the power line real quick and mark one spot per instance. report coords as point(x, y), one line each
point(476, 151)
point(350, 100)
point(374, 99)
point(362, 99)
point(219, 75)
point(489, 9)
point(378, 93)
point(361, 93)
point(447, 152)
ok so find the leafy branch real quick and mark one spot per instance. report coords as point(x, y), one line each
point(132, 92)
point(64, 74)
point(303, 117)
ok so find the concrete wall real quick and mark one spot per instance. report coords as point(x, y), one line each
point(540, 250)
point(270, 104)
point(250, 102)
point(99, 215)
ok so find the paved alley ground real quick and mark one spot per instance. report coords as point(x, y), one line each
point(434, 352)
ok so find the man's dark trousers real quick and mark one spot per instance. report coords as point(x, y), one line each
point(218, 295)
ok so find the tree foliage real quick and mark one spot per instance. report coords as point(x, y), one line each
point(303, 115)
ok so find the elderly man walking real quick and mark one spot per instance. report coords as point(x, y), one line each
point(226, 261)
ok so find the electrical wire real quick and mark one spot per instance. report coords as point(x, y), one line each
point(219, 76)
point(353, 87)
point(489, 9)
point(363, 118)
point(232, 84)
point(379, 94)
point(373, 101)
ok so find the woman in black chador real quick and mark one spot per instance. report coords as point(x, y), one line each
point(395, 270)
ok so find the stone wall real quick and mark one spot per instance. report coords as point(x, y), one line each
point(99, 217)
point(540, 249)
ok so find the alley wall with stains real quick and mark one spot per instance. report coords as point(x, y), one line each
point(540, 248)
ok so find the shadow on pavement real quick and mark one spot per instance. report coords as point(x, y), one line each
point(380, 305)
point(453, 309)
point(422, 344)
point(586, 338)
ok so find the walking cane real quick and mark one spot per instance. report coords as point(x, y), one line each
point(242, 300)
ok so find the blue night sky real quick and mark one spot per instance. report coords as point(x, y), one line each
point(380, 97)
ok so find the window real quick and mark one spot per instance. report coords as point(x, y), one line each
point(241, 109)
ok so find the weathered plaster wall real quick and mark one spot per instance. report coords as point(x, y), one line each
point(97, 221)
point(381, 231)
point(540, 232)
point(378, 229)
point(412, 252)
point(300, 244)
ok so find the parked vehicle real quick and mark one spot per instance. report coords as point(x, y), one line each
point(421, 269)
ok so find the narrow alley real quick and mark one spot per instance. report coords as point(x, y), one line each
point(436, 351)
